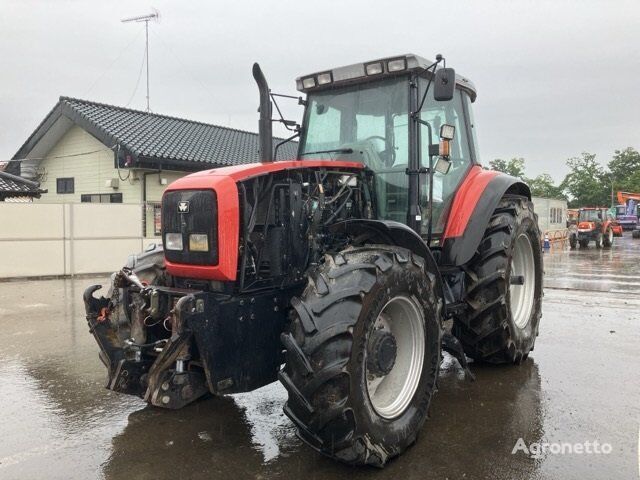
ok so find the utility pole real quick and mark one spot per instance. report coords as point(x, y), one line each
point(145, 18)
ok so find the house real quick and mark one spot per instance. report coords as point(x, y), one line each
point(14, 188)
point(85, 151)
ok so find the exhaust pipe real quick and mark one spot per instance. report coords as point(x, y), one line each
point(264, 125)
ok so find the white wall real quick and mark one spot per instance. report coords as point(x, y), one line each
point(38, 239)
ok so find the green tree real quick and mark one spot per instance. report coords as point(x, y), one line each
point(625, 170)
point(543, 186)
point(587, 183)
point(513, 167)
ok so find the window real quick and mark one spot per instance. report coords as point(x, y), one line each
point(157, 219)
point(64, 185)
point(555, 215)
point(436, 114)
point(101, 198)
point(370, 123)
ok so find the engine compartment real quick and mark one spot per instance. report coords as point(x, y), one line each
point(170, 339)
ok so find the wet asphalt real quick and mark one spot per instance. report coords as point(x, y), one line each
point(581, 384)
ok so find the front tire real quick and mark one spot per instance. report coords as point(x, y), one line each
point(504, 287)
point(362, 354)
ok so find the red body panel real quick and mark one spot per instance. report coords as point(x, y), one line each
point(466, 199)
point(224, 182)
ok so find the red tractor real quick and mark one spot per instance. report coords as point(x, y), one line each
point(344, 274)
point(595, 224)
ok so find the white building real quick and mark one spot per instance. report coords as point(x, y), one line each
point(552, 213)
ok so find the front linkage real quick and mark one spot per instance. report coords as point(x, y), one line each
point(170, 346)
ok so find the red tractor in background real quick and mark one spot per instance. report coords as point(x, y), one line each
point(597, 225)
point(344, 274)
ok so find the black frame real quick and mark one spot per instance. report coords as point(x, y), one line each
point(65, 185)
point(113, 197)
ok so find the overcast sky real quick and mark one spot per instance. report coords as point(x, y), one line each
point(554, 78)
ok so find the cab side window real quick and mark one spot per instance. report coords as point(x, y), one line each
point(435, 114)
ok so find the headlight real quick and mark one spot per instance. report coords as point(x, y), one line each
point(198, 242)
point(173, 241)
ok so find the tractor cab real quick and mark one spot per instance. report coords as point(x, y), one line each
point(407, 120)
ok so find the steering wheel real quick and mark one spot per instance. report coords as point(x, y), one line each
point(387, 157)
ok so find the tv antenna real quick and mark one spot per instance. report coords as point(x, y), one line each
point(145, 18)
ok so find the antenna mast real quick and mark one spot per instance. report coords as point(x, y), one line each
point(145, 18)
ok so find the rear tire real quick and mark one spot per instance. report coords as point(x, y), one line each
point(608, 238)
point(501, 320)
point(573, 241)
point(635, 234)
point(598, 240)
point(335, 327)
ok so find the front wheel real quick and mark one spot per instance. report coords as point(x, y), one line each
point(362, 354)
point(504, 292)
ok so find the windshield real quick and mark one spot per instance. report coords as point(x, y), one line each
point(589, 215)
point(365, 123)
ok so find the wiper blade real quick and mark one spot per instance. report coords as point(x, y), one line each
point(333, 150)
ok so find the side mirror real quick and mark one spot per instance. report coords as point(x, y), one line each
point(444, 84)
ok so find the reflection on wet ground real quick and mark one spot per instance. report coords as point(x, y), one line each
point(615, 269)
point(580, 384)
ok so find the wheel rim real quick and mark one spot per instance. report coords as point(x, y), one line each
point(391, 394)
point(522, 296)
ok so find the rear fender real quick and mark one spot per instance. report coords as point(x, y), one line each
point(388, 232)
point(472, 208)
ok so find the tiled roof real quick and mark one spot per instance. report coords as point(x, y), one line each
point(14, 186)
point(158, 138)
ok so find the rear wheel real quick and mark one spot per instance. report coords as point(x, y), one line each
point(573, 241)
point(598, 240)
point(504, 291)
point(363, 352)
point(635, 234)
point(608, 238)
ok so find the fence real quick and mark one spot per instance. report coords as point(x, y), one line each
point(557, 238)
point(39, 239)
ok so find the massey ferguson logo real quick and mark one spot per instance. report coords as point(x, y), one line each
point(183, 207)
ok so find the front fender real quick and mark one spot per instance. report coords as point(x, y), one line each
point(477, 198)
point(389, 232)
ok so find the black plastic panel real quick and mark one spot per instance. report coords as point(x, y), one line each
point(199, 216)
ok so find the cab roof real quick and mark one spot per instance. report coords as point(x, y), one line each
point(358, 73)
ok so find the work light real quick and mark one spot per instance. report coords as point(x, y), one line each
point(173, 241)
point(373, 68)
point(324, 78)
point(396, 65)
point(447, 132)
point(309, 82)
